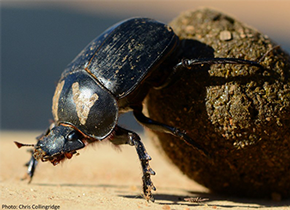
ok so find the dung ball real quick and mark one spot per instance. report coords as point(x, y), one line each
point(239, 113)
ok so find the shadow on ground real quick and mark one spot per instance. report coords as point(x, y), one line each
point(215, 200)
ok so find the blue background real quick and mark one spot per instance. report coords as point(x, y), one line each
point(39, 40)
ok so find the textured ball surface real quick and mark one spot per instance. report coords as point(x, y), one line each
point(239, 113)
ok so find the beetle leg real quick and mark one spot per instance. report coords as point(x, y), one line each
point(123, 136)
point(31, 165)
point(188, 63)
point(154, 125)
point(199, 61)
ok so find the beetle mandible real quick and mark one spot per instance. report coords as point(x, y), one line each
point(111, 76)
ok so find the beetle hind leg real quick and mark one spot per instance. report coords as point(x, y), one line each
point(123, 136)
point(154, 125)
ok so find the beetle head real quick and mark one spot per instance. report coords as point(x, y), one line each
point(58, 143)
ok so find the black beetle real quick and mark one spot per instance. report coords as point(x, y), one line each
point(112, 75)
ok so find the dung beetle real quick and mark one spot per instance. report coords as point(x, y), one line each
point(111, 76)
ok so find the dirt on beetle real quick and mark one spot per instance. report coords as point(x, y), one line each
point(239, 113)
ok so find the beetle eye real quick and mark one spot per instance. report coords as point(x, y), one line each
point(72, 136)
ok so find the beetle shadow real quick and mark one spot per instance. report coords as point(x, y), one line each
point(175, 199)
point(214, 200)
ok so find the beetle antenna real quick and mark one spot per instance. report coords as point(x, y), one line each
point(19, 145)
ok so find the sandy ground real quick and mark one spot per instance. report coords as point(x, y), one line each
point(104, 177)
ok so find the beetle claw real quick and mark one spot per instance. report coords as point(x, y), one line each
point(148, 187)
point(147, 183)
point(151, 171)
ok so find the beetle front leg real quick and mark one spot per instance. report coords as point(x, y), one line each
point(134, 140)
point(31, 165)
point(123, 136)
